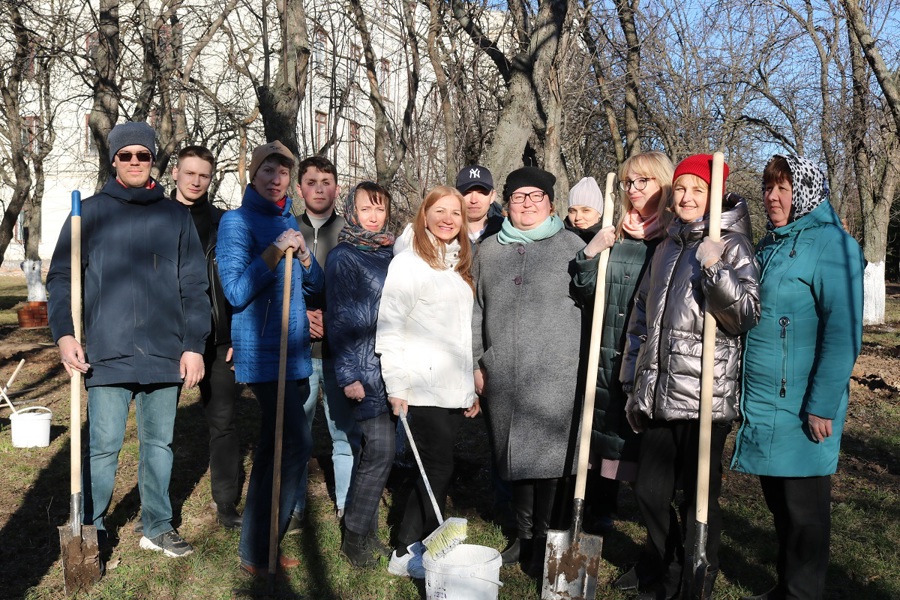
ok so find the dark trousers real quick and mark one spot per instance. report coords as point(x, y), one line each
point(801, 507)
point(371, 474)
point(296, 446)
point(434, 431)
point(217, 392)
point(668, 457)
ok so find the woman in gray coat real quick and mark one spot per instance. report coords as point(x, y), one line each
point(688, 275)
point(526, 348)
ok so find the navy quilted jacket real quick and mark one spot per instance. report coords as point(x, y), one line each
point(354, 279)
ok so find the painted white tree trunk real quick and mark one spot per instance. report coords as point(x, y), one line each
point(36, 290)
point(873, 294)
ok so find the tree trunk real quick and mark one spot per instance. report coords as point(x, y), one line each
point(626, 9)
point(10, 96)
point(279, 104)
point(105, 111)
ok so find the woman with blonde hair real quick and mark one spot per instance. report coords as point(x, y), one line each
point(425, 342)
point(645, 183)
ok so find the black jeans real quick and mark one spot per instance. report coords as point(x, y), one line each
point(801, 507)
point(217, 392)
point(668, 457)
point(434, 431)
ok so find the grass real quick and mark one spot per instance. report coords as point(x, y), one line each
point(12, 292)
point(865, 562)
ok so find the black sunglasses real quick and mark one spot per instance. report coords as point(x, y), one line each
point(141, 156)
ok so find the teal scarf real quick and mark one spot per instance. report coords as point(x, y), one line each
point(510, 235)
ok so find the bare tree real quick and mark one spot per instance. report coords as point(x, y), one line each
point(876, 154)
point(104, 57)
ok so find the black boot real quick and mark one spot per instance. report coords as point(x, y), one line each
point(708, 583)
point(511, 553)
point(228, 517)
point(361, 550)
point(535, 568)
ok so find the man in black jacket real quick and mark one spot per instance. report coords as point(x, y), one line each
point(146, 318)
point(484, 217)
point(192, 175)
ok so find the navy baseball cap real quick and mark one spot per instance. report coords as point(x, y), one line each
point(474, 176)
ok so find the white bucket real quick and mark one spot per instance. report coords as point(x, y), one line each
point(467, 572)
point(31, 429)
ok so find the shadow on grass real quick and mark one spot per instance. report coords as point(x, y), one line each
point(29, 541)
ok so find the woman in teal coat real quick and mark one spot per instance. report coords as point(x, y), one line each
point(797, 366)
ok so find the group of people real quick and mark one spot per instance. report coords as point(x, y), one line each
point(476, 306)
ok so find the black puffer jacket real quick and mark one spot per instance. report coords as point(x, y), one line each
point(354, 279)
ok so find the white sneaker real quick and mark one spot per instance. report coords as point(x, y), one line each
point(410, 564)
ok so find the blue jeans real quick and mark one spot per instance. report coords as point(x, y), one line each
point(346, 437)
point(296, 447)
point(108, 408)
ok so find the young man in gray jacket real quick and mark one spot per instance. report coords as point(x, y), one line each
point(320, 226)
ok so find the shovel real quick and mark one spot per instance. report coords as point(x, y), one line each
point(699, 563)
point(77, 543)
point(279, 417)
point(572, 558)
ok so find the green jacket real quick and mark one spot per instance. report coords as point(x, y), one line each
point(799, 359)
point(611, 437)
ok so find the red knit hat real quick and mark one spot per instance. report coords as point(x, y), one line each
point(701, 166)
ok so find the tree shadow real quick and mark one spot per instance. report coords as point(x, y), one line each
point(31, 530)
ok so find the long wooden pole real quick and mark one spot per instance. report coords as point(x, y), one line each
point(279, 415)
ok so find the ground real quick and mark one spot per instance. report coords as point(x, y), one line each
point(34, 500)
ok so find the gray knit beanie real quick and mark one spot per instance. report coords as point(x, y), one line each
point(587, 193)
point(131, 133)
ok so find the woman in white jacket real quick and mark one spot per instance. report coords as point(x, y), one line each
point(425, 341)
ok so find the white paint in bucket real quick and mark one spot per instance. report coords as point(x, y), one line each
point(31, 429)
point(467, 572)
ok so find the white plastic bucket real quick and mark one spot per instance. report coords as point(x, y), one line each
point(467, 572)
point(31, 427)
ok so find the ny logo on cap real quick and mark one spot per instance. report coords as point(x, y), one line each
point(475, 173)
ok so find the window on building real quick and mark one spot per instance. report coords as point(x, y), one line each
point(384, 78)
point(321, 129)
point(353, 150)
point(91, 43)
point(320, 45)
point(90, 149)
point(30, 130)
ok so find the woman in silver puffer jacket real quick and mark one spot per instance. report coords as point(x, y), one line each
point(661, 366)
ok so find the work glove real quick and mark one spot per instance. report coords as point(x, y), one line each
point(636, 418)
point(602, 240)
point(709, 252)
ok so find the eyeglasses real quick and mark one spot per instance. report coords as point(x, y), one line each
point(141, 156)
point(535, 197)
point(640, 184)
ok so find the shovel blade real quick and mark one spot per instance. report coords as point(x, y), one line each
point(80, 557)
point(571, 565)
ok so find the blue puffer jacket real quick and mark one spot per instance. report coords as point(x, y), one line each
point(355, 279)
point(798, 360)
point(255, 291)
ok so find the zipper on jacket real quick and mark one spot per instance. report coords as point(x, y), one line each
point(315, 240)
point(265, 317)
point(784, 322)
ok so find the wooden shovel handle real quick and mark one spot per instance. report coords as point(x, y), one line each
point(279, 411)
point(709, 350)
point(590, 392)
point(75, 381)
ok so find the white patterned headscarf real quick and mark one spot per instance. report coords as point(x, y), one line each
point(809, 183)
